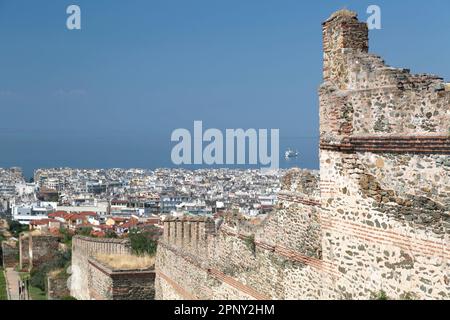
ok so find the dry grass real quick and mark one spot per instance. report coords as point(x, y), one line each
point(126, 262)
point(36, 233)
point(55, 273)
point(447, 87)
point(343, 13)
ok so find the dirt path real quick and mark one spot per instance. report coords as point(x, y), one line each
point(12, 280)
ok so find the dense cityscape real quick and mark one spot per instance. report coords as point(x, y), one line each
point(372, 223)
point(66, 194)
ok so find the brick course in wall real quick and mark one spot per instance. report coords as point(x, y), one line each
point(391, 144)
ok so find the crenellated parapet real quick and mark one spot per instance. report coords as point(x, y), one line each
point(91, 246)
point(188, 233)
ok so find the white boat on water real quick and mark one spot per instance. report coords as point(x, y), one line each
point(291, 154)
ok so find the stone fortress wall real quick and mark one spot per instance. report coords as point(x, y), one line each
point(108, 284)
point(36, 249)
point(83, 249)
point(376, 218)
point(57, 287)
point(385, 170)
point(198, 259)
point(42, 248)
point(9, 253)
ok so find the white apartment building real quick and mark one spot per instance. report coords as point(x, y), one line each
point(25, 213)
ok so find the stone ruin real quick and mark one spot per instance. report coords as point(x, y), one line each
point(91, 279)
point(375, 220)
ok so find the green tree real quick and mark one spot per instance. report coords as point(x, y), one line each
point(67, 236)
point(85, 231)
point(250, 243)
point(143, 241)
point(38, 276)
point(16, 228)
point(111, 234)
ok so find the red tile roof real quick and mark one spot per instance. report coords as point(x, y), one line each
point(99, 234)
point(104, 227)
point(57, 214)
point(153, 221)
point(91, 214)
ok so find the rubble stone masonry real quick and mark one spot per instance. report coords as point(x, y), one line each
point(84, 248)
point(24, 251)
point(42, 249)
point(36, 249)
point(108, 284)
point(377, 216)
point(9, 254)
point(57, 288)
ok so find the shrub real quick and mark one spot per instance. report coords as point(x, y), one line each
point(250, 243)
point(110, 234)
point(3, 294)
point(38, 276)
point(381, 295)
point(85, 231)
point(143, 241)
point(67, 236)
point(16, 228)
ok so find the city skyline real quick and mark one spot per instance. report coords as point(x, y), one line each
point(109, 95)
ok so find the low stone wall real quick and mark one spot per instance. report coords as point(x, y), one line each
point(57, 288)
point(9, 255)
point(84, 248)
point(43, 248)
point(108, 284)
point(36, 249)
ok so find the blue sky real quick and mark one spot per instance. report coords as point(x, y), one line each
point(111, 94)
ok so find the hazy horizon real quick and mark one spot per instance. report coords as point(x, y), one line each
point(111, 94)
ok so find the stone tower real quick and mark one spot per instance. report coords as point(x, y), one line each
point(377, 217)
point(342, 33)
point(385, 170)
